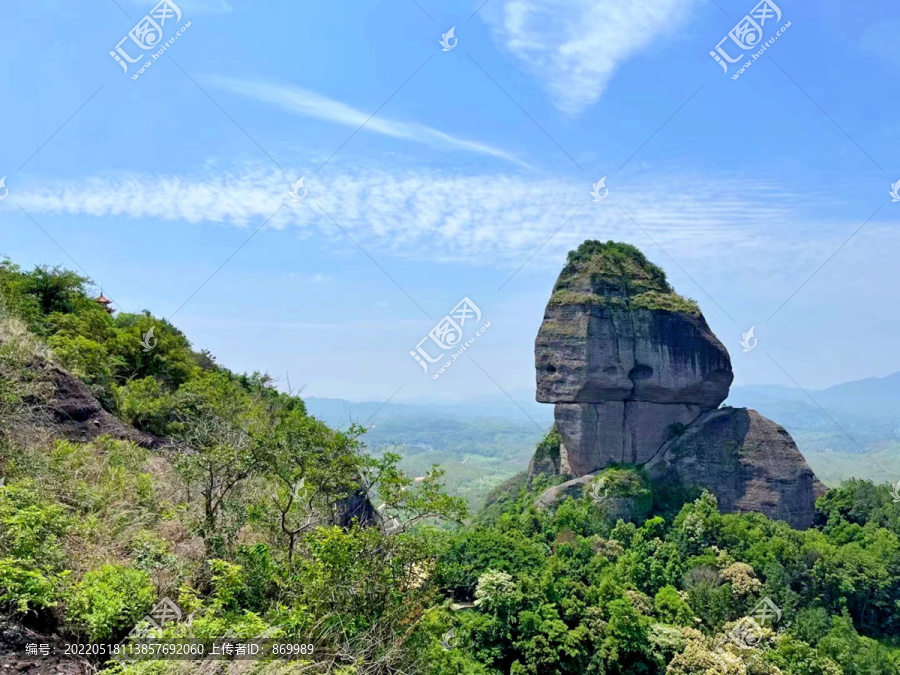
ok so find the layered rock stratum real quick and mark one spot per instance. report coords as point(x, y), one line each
point(637, 377)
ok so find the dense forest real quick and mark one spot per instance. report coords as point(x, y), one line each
point(218, 491)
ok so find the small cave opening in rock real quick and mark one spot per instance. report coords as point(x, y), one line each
point(640, 372)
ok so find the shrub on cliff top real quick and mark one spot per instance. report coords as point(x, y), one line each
point(618, 261)
point(616, 275)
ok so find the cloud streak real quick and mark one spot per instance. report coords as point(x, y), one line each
point(575, 46)
point(308, 103)
point(731, 239)
point(482, 220)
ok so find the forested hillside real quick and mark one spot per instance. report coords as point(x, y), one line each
point(251, 515)
point(135, 469)
point(626, 580)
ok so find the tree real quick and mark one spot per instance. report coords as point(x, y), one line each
point(315, 469)
point(672, 608)
point(213, 451)
point(167, 356)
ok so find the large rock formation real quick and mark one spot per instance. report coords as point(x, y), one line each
point(626, 360)
point(748, 461)
point(632, 367)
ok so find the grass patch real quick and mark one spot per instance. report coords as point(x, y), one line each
point(617, 276)
point(666, 302)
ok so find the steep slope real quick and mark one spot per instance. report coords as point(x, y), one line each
point(53, 399)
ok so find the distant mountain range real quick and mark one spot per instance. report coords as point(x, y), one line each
point(522, 408)
point(484, 440)
point(852, 415)
point(848, 417)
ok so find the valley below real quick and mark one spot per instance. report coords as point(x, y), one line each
point(857, 436)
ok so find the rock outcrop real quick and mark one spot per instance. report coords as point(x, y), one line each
point(621, 494)
point(78, 416)
point(571, 488)
point(61, 405)
point(626, 360)
point(632, 366)
point(749, 462)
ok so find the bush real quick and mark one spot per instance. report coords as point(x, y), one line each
point(144, 404)
point(23, 589)
point(84, 357)
point(110, 601)
point(671, 607)
point(30, 548)
point(30, 527)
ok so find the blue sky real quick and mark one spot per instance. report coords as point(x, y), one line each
point(474, 162)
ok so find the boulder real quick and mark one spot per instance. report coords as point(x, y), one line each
point(571, 488)
point(749, 462)
point(620, 494)
point(357, 507)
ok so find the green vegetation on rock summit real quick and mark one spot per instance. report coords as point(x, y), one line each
point(617, 275)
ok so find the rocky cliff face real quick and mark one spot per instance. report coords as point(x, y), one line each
point(748, 461)
point(631, 365)
point(626, 360)
point(77, 416)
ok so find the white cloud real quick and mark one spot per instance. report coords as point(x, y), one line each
point(482, 220)
point(310, 104)
point(575, 46)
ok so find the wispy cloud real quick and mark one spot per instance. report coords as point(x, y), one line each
point(575, 46)
point(310, 104)
point(487, 220)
